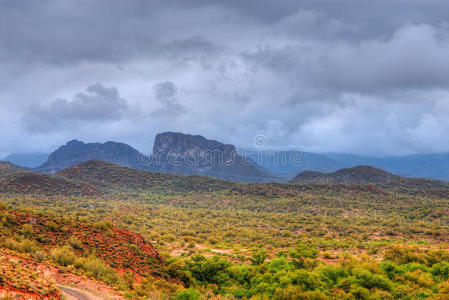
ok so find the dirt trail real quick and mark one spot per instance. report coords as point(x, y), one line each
point(76, 294)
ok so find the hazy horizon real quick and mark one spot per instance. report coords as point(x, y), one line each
point(241, 149)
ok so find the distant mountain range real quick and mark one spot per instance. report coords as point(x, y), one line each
point(285, 163)
point(96, 177)
point(172, 153)
point(435, 166)
point(288, 164)
point(27, 160)
point(193, 154)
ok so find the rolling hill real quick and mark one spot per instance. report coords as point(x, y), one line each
point(98, 177)
point(367, 175)
point(8, 169)
point(34, 183)
point(17, 180)
point(110, 177)
point(433, 166)
point(32, 244)
point(360, 175)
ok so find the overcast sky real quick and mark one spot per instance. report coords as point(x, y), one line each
point(367, 77)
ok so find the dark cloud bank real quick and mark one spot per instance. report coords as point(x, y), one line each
point(369, 77)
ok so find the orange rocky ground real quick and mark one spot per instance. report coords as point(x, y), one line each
point(122, 249)
point(24, 279)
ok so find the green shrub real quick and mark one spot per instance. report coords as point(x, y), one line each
point(402, 255)
point(176, 269)
point(279, 264)
point(304, 250)
point(289, 293)
point(75, 243)
point(312, 295)
point(331, 275)
point(189, 294)
point(96, 268)
point(21, 245)
point(28, 246)
point(389, 268)
point(52, 226)
point(360, 292)
point(209, 270)
point(306, 280)
point(40, 256)
point(27, 229)
point(103, 225)
point(369, 280)
point(258, 258)
point(63, 256)
point(6, 219)
point(441, 270)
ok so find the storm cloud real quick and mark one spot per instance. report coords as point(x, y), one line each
point(365, 77)
point(166, 94)
point(97, 104)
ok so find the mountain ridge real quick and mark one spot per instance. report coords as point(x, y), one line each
point(76, 151)
point(173, 152)
point(187, 154)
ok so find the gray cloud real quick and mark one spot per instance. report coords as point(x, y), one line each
point(323, 75)
point(166, 95)
point(413, 57)
point(97, 104)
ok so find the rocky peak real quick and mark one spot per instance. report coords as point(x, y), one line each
point(192, 150)
point(182, 143)
point(75, 152)
point(194, 154)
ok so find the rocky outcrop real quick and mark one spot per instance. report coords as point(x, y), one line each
point(194, 154)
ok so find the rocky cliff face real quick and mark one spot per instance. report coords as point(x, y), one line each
point(193, 154)
point(191, 151)
point(172, 153)
point(75, 152)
